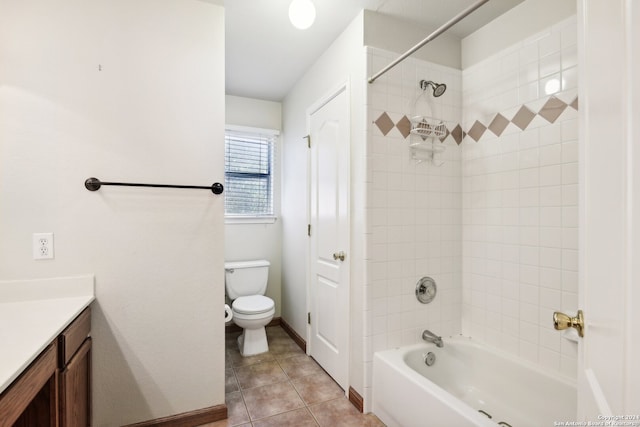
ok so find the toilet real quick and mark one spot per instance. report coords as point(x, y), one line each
point(246, 283)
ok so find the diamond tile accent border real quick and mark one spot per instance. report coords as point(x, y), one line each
point(550, 111)
point(404, 126)
point(384, 123)
point(574, 104)
point(523, 117)
point(498, 124)
point(457, 134)
point(477, 130)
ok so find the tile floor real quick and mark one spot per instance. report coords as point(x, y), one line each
point(284, 387)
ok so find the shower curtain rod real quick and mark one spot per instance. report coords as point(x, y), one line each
point(459, 17)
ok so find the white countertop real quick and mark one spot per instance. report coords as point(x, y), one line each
point(32, 314)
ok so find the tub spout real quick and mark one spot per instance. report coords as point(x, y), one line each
point(429, 336)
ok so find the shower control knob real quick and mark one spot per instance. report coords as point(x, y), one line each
point(426, 290)
point(339, 256)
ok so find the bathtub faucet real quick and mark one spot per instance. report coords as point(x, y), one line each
point(429, 336)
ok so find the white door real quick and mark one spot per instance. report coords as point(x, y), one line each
point(608, 369)
point(329, 235)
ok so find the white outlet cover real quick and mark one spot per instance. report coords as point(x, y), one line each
point(42, 246)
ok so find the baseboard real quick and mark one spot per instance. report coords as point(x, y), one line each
point(294, 335)
point(188, 419)
point(356, 399)
point(276, 321)
point(232, 327)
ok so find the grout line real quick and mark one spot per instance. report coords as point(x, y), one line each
point(288, 380)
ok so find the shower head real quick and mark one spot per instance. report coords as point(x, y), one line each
point(438, 88)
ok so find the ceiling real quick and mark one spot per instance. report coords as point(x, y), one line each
point(266, 55)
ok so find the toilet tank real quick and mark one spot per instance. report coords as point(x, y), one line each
point(244, 278)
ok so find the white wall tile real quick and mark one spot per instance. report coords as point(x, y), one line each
point(536, 172)
point(412, 213)
point(551, 278)
point(551, 155)
point(549, 44)
point(508, 203)
point(551, 175)
point(550, 64)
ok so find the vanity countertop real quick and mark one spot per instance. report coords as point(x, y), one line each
point(32, 314)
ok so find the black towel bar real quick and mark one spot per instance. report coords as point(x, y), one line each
point(94, 184)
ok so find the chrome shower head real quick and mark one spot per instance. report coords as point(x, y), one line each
point(438, 88)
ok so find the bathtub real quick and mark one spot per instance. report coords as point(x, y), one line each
point(465, 378)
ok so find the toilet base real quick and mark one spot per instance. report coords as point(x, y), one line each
point(253, 341)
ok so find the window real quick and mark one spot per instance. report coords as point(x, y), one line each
point(248, 167)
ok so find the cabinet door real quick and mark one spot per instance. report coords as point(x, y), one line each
point(42, 409)
point(75, 389)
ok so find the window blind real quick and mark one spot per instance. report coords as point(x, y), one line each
point(248, 173)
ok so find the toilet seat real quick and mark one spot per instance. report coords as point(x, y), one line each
point(252, 304)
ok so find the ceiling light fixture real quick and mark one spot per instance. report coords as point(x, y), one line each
point(302, 13)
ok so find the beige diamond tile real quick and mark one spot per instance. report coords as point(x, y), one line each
point(477, 130)
point(523, 117)
point(498, 124)
point(457, 134)
point(404, 126)
point(384, 123)
point(552, 109)
point(445, 136)
point(574, 104)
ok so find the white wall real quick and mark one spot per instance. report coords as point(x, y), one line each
point(252, 112)
point(397, 35)
point(154, 113)
point(246, 240)
point(523, 21)
point(520, 194)
point(344, 61)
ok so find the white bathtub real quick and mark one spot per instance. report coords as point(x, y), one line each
point(465, 378)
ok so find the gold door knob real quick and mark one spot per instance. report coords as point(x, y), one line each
point(339, 256)
point(562, 321)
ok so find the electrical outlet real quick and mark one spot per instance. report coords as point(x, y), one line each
point(42, 246)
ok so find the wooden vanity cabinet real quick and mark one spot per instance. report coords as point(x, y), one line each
point(74, 395)
point(55, 390)
point(30, 399)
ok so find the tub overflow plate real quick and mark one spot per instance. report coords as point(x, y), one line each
point(426, 290)
point(429, 359)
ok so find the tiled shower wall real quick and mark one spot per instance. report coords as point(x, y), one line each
point(519, 192)
point(413, 209)
point(496, 224)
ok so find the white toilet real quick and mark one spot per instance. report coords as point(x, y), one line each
point(246, 283)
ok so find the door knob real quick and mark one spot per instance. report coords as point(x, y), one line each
point(339, 256)
point(562, 321)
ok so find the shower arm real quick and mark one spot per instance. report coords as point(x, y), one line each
point(459, 17)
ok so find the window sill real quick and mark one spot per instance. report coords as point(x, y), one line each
point(250, 219)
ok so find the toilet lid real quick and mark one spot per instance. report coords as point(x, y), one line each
point(253, 304)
